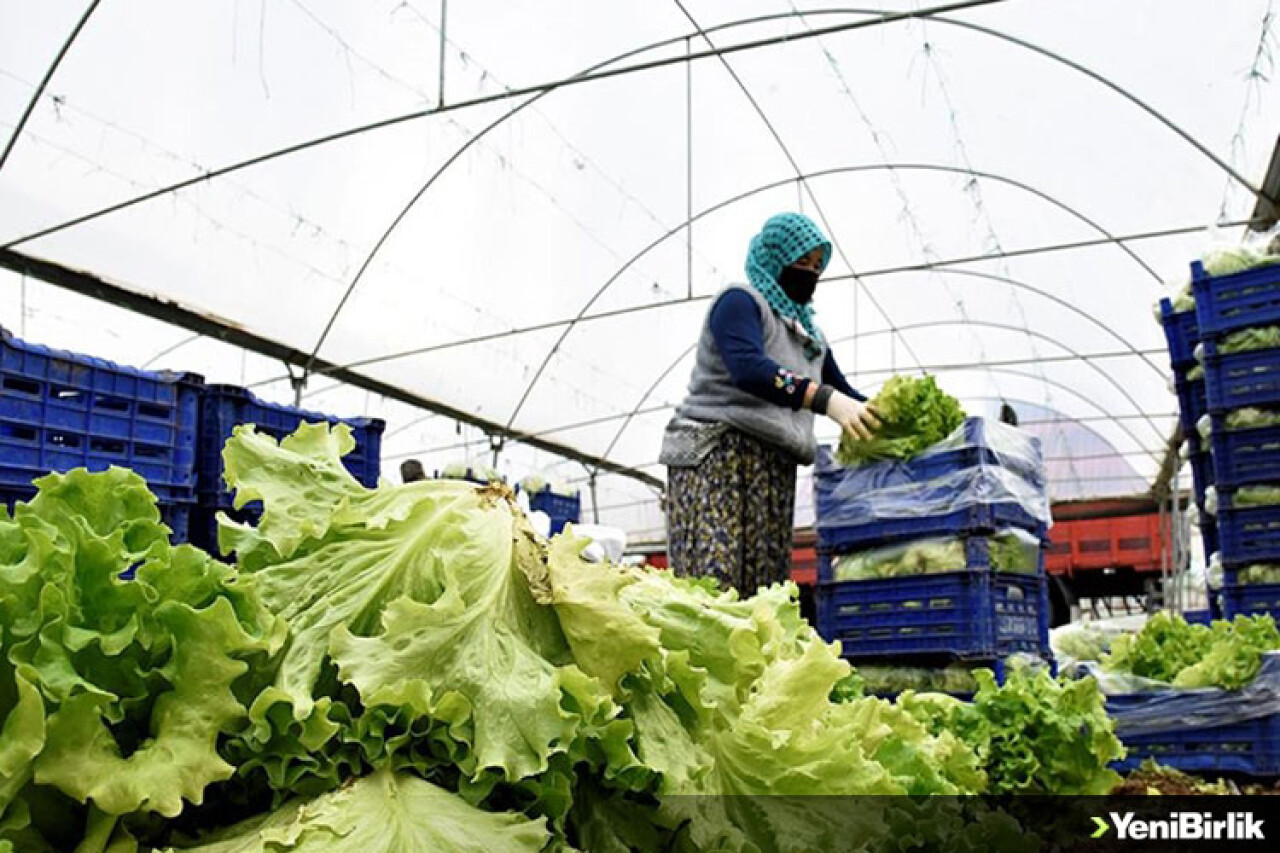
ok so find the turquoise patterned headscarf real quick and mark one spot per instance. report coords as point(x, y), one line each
point(785, 239)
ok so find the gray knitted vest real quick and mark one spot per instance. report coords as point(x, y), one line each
point(713, 399)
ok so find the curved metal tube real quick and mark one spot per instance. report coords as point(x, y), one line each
point(928, 167)
point(44, 81)
point(981, 275)
point(937, 324)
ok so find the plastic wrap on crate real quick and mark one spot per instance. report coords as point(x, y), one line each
point(1141, 706)
point(976, 441)
point(1013, 550)
point(848, 497)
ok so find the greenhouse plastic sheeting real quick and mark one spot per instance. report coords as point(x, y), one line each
point(1144, 706)
point(433, 197)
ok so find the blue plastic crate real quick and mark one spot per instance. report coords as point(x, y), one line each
point(973, 614)
point(561, 509)
point(1205, 736)
point(976, 519)
point(1249, 599)
point(1209, 532)
point(1251, 748)
point(1202, 470)
point(60, 410)
point(1248, 534)
point(223, 407)
point(1193, 402)
point(1245, 456)
point(1229, 303)
point(1236, 380)
point(1182, 333)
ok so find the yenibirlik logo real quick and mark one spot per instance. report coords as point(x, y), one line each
point(1183, 826)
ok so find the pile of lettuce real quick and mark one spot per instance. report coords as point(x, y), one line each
point(1034, 734)
point(914, 414)
point(1169, 649)
point(411, 667)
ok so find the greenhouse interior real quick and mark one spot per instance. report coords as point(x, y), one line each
point(696, 426)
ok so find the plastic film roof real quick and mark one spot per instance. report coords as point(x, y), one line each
point(446, 253)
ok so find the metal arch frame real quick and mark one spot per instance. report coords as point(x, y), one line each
point(48, 75)
point(535, 89)
point(774, 185)
point(1141, 448)
point(1064, 417)
point(550, 87)
point(802, 181)
point(1058, 300)
point(935, 324)
point(546, 88)
point(981, 275)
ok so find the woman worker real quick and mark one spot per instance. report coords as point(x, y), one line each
point(763, 370)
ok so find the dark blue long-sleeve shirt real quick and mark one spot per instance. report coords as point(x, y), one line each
point(739, 335)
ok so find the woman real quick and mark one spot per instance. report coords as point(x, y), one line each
point(763, 370)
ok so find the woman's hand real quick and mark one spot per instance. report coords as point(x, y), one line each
point(857, 419)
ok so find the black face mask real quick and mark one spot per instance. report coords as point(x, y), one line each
point(798, 284)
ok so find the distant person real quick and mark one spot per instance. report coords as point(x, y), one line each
point(411, 471)
point(763, 370)
point(1008, 415)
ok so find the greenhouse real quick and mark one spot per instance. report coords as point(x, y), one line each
point(611, 426)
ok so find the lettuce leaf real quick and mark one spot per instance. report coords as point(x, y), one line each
point(116, 692)
point(914, 414)
point(1224, 654)
point(385, 812)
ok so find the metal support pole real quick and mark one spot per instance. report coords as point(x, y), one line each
point(595, 499)
point(1164, 551)
point(688, 124)
point(495, 444)
point(298, 382)
point(444, 26)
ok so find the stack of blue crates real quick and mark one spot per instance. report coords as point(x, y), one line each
point(1199, 743)
point(60, 410)
point(1247, 457)
point(222, 408)
point(970, 614)
point(1182, 332)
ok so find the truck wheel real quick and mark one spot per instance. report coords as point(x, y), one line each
point(1061, 600)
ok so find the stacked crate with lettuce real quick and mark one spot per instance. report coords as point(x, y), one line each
point(560, 501)
point(1238, 313)
point(1198, 698)
point(1177, 316)
point(931, 539)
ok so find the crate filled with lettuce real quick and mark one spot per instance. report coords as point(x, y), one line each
point(1237, 302)
point(931, 534)
point(1198, 698)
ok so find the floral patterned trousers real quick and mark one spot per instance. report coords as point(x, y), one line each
point(731, 516)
